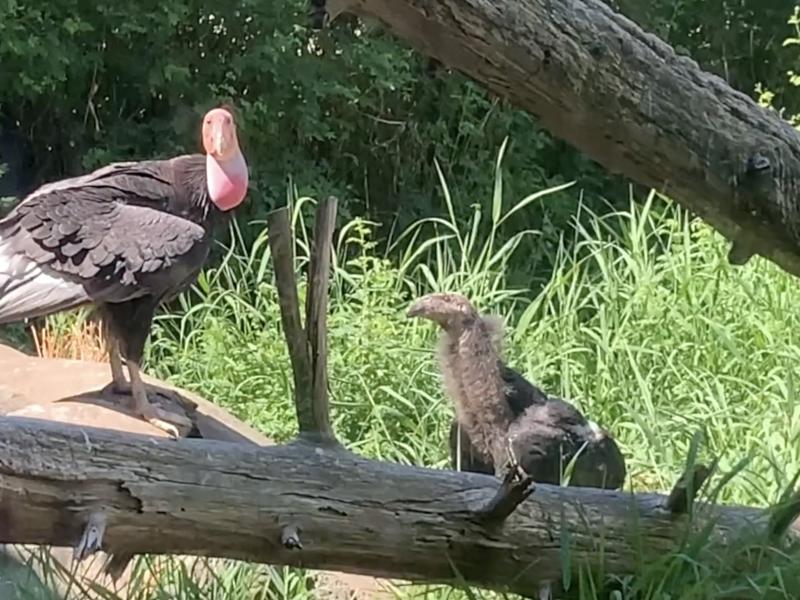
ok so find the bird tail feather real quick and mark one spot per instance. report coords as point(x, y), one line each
point(29, 290)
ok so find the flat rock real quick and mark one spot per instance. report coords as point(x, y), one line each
point(71, 391)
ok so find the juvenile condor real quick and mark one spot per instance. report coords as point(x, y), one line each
point(497, 408)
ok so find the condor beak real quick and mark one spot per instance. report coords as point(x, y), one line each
point(218, 142)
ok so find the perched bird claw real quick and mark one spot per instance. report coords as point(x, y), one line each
point(515, 474)
point(174, 424)
point(515, 471)
point(170, 422)
point(163, 425)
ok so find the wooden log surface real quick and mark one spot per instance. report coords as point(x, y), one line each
point(67, 391)
point(223, 499)
point(626, 99)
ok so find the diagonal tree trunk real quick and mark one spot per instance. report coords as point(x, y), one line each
point(627, 100)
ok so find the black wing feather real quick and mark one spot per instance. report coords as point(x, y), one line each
point(111, 231)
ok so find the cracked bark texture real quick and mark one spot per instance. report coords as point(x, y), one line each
point(627, 100)
point(354, 515)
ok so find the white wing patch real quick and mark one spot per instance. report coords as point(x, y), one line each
point(29, 290)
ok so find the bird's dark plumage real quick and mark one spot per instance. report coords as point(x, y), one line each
point(124, 238)
point(497, 407)
point(546, 434)
point(125, 232)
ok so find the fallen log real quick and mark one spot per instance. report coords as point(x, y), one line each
point(213, 498)
point(68, 391)
point(626, 99)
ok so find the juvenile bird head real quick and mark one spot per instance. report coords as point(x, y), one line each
point(451, 311)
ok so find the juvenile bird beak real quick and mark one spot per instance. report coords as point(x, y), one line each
point(413, 311)
point(418, 308)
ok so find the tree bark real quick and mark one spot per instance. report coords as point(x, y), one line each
point(156, 495)
point(627, 100)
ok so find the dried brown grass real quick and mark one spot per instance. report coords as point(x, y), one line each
point(77, 339)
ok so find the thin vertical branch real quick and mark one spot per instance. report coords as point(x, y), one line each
point(281, 244)
point(308, 349)
point(316, 314)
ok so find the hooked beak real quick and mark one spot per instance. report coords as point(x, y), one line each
point(416, 309)
point(218, 145)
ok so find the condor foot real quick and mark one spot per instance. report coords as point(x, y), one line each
point(145, 405)
point(172, 423)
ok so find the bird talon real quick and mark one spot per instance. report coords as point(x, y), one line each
point(166, 421)
point(515, 474)
point(169, 428)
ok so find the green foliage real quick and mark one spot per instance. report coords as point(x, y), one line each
point(766, 96)
point(738, 40)
point(350, 110)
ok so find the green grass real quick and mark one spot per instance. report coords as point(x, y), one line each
point(643, 325)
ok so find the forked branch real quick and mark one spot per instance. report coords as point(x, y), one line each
point(307, 345)
point(316, 314)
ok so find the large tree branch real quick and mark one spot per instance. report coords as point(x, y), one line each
point(627, 100)
point(155, 495)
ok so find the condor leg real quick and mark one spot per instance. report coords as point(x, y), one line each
point(128, 328)
point(120, 385)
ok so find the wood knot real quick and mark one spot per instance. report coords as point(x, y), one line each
point(757, 163)
point(290, 538)
point(597, 50)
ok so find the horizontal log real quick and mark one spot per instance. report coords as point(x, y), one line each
point(68, 391)
point(627, 100)
point(320, 507)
